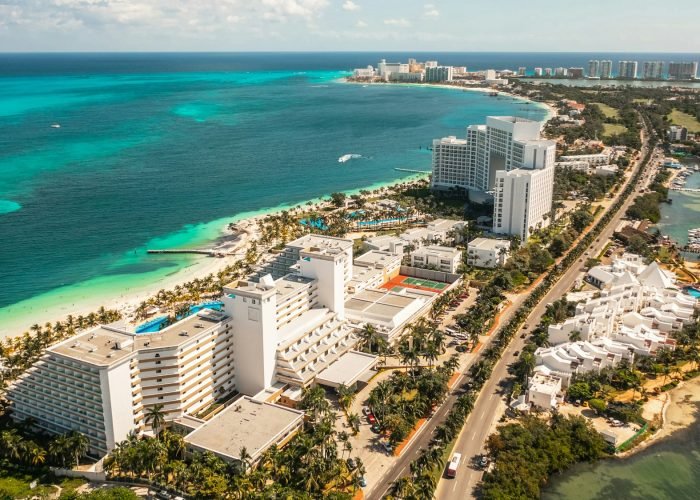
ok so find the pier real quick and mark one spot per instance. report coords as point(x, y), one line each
point(685, 190)
point(412, 171)
point(210, 253)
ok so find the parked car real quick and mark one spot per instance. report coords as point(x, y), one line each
point(483, 461)
point(371, 418)
point(363, 481)
point(365, 411)
point(376, 429)
point(461, 348)
point(388, 447)
point(516, 353)
point(351, 463)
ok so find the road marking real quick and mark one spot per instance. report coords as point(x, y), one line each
point(454, 488)
point(490, 398)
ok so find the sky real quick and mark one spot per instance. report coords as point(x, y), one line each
point(349, 25)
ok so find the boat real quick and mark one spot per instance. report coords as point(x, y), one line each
point(55, 125)
point(348, 157)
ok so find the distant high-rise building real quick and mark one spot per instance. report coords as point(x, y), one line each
point(431, 64)
point(605, 69)
point(438, 74)
point(593, 68)
point(653, 70)
point(575, 72)
point(521, 71)
point(560, 71)
point(548, 72)
point(683, 70)
point(627, 69)
point(538, 71)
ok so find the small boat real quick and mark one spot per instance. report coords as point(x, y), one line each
point(55, 125)
point(348, 157)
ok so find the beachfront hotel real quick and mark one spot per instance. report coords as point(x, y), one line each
point(272, 338)
point(507, 158)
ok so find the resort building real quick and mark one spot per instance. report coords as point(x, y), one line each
point(438, 74)
point(653, 70)
point(683, 70)
point(438, 258)
point(282, 264)
point(543, 391)
point(503, 143)
point(373, 269)
point(522, 201)
point(386, 243)
point(246, 424)
point(627, 69)
point(437, 231)
point(606, 69)
point(593, 68)
point(100, 382)
point(488, 252)
point(591, 159)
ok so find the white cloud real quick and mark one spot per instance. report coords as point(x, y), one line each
point(350, 5)
point(361, 24)
point(404, 23)
point(285, 9)
point(431, 10)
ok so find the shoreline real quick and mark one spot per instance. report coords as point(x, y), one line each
point(551, 111)
point(678, 412)
point(28, 312)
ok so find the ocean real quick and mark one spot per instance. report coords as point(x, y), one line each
point(162, 150)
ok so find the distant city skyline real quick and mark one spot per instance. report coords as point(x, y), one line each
point(342, 25)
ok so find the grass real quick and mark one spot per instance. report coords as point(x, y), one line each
point(684, 120)
point(15, 484)
point(613, 129)
point(608, 111)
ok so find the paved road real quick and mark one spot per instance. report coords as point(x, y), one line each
point(490, 404)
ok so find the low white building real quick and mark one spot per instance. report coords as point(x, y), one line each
point(386, 243)
point(439, 258)
point(367, 72)
point(488, 252)
point(591, 159)
point(543, 391)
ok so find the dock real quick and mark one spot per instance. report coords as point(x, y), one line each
point(210, 253)
point(685, 190)
point(412, 171)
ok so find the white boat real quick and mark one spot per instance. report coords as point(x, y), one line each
point(348, 157)
point(55, 125)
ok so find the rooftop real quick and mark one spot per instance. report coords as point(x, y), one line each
point(488, 244)
point(439, 250)
point(105, 345)
point(347, 369)
point(246, 423)
point(320, 241)
point(377, 258)
point(384, 305)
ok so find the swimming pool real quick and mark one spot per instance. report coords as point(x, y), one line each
point(157, 324)
point(693, 292)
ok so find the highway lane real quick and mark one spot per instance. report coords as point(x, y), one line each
point(490, 404)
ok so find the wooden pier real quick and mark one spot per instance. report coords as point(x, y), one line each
point(210, 253)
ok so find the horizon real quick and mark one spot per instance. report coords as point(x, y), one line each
point(337, 25)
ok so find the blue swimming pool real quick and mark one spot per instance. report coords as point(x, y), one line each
point(152, 326)
point(693, 292)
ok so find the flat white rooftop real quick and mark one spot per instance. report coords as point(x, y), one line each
point(377, 258)
point(246, 423)
point(320, 241)
point(347, 370)
point(488, 244)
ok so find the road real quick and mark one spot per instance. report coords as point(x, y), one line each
point(490, 404)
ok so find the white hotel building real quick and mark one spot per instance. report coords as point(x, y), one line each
point(272, 336)
point(507, 157)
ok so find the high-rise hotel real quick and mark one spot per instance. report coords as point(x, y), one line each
point(507, 157)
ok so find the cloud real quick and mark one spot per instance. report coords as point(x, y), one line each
point(431, 10)
point(404, 23)
point(361, 24)
point(350, 5)
point(285, 9)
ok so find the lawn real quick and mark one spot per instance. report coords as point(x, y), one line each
point(15, 484)
point(608, 111)
point(684, 120)
point(613, 128)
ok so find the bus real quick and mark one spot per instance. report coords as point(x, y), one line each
point(452, 466)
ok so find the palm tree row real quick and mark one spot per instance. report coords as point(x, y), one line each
point(19, 444)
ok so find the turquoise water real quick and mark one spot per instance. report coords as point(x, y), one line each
point(667, 470)
point(684, 212)
point(165, 159)
point(693, 292)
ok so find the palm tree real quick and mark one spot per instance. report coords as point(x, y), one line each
point(354, 422)
point(155, 417)
point(346, 396)
point(79, 444)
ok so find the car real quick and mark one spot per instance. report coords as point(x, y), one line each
point(371, 418)
point(365, 411)
point(453, 343)
point(461, 348)
point(483, 461)
point(376, 429)
point(523, 335)
point(387, 447)
point(351, 463)
point(516, 353)
point(363, 481)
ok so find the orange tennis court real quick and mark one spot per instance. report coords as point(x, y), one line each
point(401, 281)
